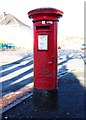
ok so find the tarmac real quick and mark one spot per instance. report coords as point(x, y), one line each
point(70, 102)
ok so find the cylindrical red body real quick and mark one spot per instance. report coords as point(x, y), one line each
point(45, 24)
point(45, 55)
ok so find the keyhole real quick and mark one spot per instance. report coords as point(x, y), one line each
point(52, 57)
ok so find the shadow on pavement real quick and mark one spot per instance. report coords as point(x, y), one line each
point(16, 68)
point(16, 62)
point(71, 103)
point(17, 81)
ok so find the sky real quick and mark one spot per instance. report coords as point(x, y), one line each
point(71, 24)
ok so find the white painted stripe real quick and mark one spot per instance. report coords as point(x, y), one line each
point(11, 75)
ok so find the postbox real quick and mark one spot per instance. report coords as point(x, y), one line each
point(45, 24)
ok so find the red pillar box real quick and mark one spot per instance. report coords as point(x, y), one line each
point(45, 52)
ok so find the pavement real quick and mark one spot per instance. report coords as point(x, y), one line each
point(70, 100)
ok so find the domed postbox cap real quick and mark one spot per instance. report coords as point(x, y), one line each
point(45, 14)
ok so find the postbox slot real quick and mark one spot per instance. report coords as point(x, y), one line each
point(42, 27)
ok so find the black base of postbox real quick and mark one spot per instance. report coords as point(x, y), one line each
point(45, 99)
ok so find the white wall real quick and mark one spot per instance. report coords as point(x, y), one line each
point(21, 37)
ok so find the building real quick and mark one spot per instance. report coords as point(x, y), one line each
point(12, 30)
